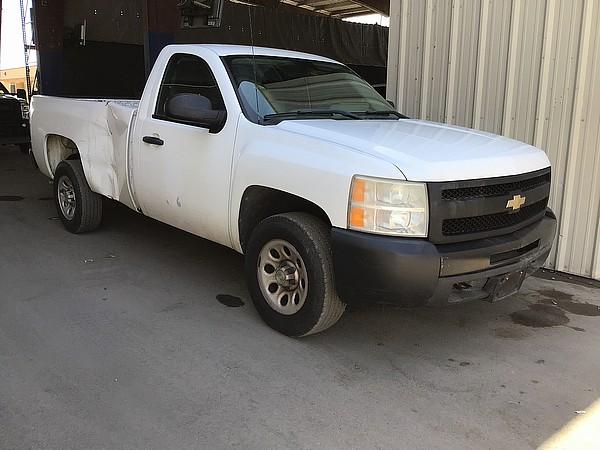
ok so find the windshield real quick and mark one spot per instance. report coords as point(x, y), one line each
point(286, 88)
point(3, 90)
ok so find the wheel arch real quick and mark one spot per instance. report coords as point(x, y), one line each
point(59, 148)
point(259, 202)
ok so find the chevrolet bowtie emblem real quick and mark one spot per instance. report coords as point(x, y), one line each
point(516, 202)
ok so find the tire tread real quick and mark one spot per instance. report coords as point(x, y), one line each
point(90, 204)
point(309, 228)
point(319, 233)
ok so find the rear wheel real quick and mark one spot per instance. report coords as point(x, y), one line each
point(289, 270)
point(79, 208)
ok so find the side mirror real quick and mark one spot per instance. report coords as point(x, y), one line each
point(196, 110)
point(22, 94)
point(393, 105)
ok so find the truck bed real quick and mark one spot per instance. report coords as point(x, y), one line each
point(99, 128)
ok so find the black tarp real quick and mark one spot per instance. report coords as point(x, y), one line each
point(285, 28)
point(121, 44)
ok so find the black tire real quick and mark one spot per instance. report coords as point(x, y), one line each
point(88, 205)
point(322, 307)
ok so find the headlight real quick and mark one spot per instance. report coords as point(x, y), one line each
point(388, 207)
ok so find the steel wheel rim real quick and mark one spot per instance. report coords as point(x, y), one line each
point(282, 276)
point(66, 197)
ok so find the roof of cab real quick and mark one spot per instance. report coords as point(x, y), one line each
point(229, 50)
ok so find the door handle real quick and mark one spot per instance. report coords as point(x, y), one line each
point(153, 140)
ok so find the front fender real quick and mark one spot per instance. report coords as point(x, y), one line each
point(317, 171)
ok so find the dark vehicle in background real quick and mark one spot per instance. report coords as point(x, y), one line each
point(14, 119)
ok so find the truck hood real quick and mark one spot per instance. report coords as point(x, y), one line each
point(427, 151)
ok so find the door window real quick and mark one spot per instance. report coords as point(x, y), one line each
point(188, 74)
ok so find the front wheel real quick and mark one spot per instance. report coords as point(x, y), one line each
point(289, 270)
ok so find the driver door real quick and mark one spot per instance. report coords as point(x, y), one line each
point(181, 172)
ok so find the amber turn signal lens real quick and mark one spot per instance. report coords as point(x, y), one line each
point(358, 190)
point(357, 217)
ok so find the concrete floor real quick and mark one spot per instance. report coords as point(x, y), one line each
point(115, 339)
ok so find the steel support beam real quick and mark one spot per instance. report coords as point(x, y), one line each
point(377, 6)
point(0, 22)
point(329, 7)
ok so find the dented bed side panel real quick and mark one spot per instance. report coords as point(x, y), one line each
point(98, 128)
point(120, 118)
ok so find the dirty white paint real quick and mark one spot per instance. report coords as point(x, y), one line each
point(196, 180)
point(527, 69)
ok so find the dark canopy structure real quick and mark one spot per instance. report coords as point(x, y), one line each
point(338, 9)
point(106, 48)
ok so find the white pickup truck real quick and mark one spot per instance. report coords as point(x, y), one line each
point(293, 160)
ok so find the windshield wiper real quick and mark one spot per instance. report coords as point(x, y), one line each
point(310, 112)
point(388, 112)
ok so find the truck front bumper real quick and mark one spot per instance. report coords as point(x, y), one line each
point(414, 272)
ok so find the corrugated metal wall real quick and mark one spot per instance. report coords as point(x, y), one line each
point(528, 69)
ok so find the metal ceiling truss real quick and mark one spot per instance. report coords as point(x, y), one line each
point(334, 8)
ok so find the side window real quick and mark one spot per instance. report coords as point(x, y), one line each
point(187, 74)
